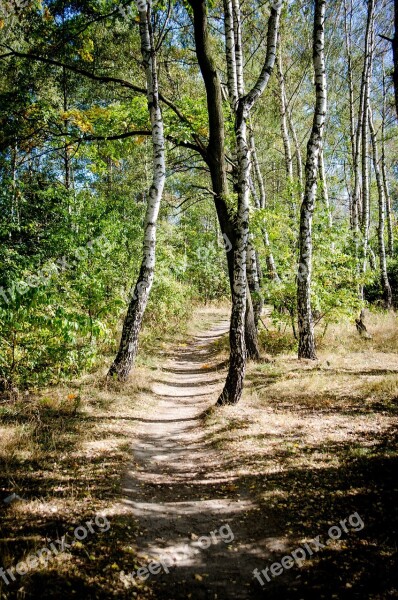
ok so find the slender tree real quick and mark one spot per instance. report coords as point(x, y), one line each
point(368, 62)
point(305, 318)
point(214, 153)
point(124, 360)
point(261, 203)
point(285, 130)
point(382, 210)
point(389, 212)
point(395, 53)
point(233, 387)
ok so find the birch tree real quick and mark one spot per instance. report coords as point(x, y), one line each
point(389, 212)
point(233, 387)
point(214, 153)
point(285, 131)
point(368, 64)
point(382, 211)
point(304, 310)
point(128, 347)
point(395, 53)
point(324, 187)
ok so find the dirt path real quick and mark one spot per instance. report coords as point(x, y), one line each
point(175, 490)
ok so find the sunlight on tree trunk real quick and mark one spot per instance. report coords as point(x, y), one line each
point(124, 360)
point(304, 309)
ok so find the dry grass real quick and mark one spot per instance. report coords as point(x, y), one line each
point(343, 337)
point(310, 442)
point(64, 452)
point(314, 442)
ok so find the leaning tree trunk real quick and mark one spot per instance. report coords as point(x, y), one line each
point(233, 387)
point(382, 209)
point(365, 222)
point(215, 152)
point(124, 360)
point(304, 310)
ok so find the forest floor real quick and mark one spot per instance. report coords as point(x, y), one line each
point(209, 495)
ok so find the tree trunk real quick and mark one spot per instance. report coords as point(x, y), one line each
point(215, 152)
point(261, 203)
point(297, 149)
point(238, 47)
point(324, 186)
point(395, 53)
point(387, 295)
point(365, 221)
point(257, 171)
point(124, 360)
point(233, 387)
point(348, 32)
point(230, 51)
point(305, 319)
point(285, 132)
point(254, 282)
point(384, 171)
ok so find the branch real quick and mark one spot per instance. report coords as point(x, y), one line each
point(384, 37)
point(119, 136)
point(104, 79)
point(77, 70)
point(128, 134)
point(262, 81)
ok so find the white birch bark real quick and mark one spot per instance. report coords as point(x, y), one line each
point(385, 284)
point(348, 33)
point(283, 114)
point(285, 132)
point(259, 175)
point(128, 348)
point(238, 47)
point(233, 52)
point(356, 196)
point(384, 170)
point(233, 387)
point(297, 150)
point(230, 53)
point(260, 202)
point(365, 221)
point(304, 276)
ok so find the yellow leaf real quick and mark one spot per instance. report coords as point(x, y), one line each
point(47, 16)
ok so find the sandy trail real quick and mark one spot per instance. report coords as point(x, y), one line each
point(177, 491)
